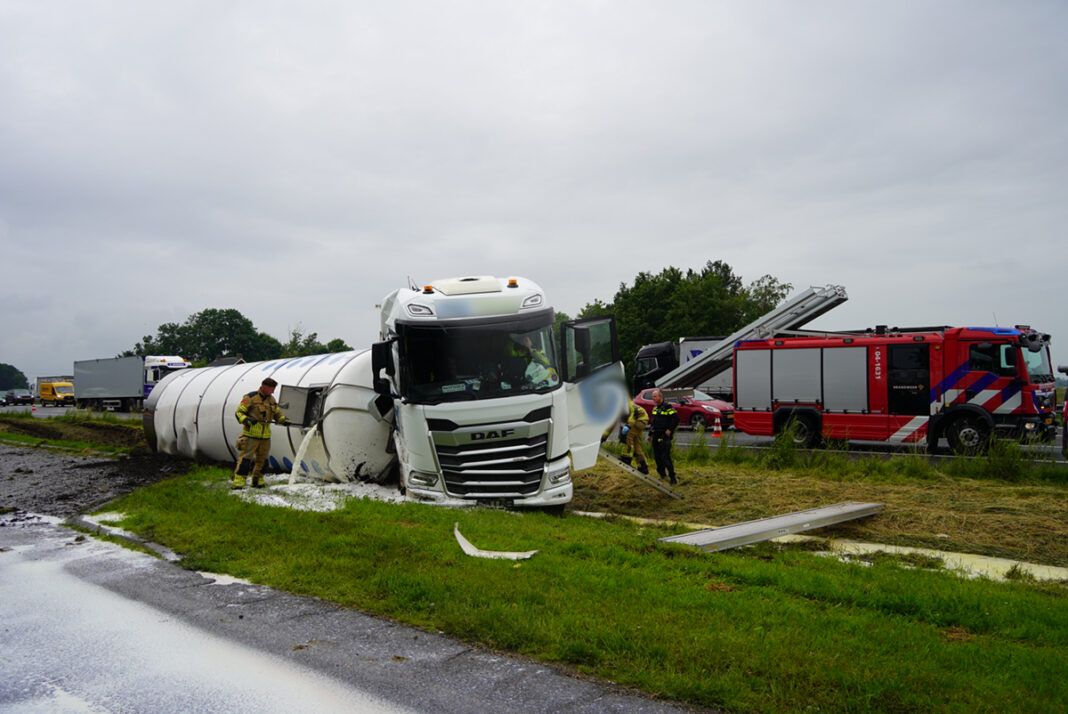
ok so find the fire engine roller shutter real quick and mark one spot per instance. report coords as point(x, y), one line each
point(752, 377)
point(795, 375)
point(845, 379)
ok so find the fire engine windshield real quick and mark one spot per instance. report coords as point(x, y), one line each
point(485, 361)
point(1039, 368)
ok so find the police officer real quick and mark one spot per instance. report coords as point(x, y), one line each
point(256, 412)
point(665, 420)
point(633, 429)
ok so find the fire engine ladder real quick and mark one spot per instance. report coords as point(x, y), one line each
point(644, 478)
point(790, 315)
point(738, 534)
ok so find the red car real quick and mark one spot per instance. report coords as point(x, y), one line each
point(695, 408)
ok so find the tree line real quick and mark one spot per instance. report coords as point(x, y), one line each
point(695, 303)
point(213, 334)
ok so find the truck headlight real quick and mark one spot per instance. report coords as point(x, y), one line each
point(422, 478)
point(560, 473)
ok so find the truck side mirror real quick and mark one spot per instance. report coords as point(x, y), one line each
point(382, 358)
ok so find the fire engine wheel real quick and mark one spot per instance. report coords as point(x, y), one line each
point(698, 420)
point(802, 430)
point(968, 435)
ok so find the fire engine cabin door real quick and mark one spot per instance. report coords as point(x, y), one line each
point(908, 379)
point(594, 384)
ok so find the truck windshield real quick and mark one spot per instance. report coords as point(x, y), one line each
point(64, 389)
point(1039, 368)
point(479, 362)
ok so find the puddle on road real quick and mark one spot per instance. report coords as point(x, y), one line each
point(218, 579)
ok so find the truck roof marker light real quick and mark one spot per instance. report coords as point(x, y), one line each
point(533, 301)
point(513, 283)
point(918, 338)
point(428, 289)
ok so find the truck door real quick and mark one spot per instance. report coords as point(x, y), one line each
point(593, 384)
point(908, 382)
point(909, 379)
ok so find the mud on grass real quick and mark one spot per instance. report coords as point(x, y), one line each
point(119, 436)
point(64, 483)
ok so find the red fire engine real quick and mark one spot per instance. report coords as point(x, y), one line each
point(910, 386)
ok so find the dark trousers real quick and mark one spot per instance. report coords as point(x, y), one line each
point(662, 454)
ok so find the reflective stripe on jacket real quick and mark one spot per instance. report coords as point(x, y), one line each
point(637, 417)
point(260, 408)
point(665, 418)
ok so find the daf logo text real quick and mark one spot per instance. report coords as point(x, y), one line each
point(494, 434)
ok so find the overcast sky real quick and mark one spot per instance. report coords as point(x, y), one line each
point(299, 161)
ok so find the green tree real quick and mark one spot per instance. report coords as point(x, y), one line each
point(337, 345)
point(301, 345)
point(209, 335)
point(674, 304)
point(12, 378)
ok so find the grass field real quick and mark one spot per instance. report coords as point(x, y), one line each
point(768, 628)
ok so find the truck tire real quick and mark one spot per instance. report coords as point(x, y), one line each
point(968, 435)
point(803, 429)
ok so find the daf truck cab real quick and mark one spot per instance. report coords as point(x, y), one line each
point(489, 405)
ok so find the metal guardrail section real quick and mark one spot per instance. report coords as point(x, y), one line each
point(738, 534)
point(644, 478)
point(790, 315)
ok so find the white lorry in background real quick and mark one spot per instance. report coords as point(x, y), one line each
point(469, 397)
point(120, 383)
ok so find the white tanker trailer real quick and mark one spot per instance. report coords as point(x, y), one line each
point(469, 393)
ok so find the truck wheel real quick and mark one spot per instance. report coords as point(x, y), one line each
point(802, 429)
point(968, 435)
point(698, 420)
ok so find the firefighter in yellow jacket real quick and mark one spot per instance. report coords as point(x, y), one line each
point(633, 430)
point(256, 412)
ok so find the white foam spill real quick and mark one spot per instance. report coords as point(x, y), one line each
point(316, 495)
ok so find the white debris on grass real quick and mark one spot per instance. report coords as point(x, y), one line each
point(315, 495)
point(474, 552)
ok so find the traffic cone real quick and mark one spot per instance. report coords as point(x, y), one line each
point(717, 430)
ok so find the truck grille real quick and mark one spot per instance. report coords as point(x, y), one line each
point(493, 461)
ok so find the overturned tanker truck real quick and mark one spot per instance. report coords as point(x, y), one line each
point(469, 397)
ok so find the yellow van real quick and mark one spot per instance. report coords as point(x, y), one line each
point(56, 394)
